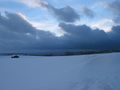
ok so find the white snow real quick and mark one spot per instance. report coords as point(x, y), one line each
point(87, 72)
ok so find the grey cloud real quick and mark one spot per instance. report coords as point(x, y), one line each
point(66, 14)
point(115, 8)
point(88, 12)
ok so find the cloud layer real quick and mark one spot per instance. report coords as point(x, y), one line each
point(17, 33)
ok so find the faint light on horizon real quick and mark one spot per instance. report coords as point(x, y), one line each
point(51, 27)
point(104, 24)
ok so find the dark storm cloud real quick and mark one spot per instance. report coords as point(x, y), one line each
point(66, 14)
point(115, 8)
point(115, 35)
point(17, 33)
point(13, 22)
point(82, 36)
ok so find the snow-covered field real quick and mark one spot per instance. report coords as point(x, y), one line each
point(87, 72)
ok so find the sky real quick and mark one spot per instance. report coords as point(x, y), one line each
point(59, 24)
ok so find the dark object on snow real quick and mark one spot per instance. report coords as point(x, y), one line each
point(15, 56)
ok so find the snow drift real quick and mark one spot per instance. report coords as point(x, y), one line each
point(87, 72)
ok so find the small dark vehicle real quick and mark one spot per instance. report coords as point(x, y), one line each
point(15, 56)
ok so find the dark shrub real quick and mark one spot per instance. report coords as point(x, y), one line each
point(15, 56)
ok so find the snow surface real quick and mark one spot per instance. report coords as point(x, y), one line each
point(87, 72)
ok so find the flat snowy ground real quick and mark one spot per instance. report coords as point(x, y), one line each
point(87, 72)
